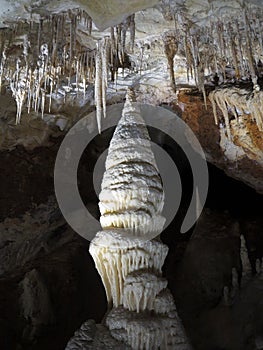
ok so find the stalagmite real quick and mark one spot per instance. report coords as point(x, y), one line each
point(126, 254)
point(259, 268)
point(226, 296)
point(246, 265)
point(235, 283)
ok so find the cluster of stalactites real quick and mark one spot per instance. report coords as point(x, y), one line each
point(54, 59)
point(238, 103)
point(231, 47)
point(111, 54)
point(49, 62)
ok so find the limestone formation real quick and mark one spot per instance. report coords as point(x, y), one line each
point(127, 253)
point(246, 265)
point(238, 102)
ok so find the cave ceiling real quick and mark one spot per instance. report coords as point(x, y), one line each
point(61, 59)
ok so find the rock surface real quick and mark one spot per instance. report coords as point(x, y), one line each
point(240, 157)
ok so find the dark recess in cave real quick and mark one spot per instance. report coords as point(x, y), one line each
point(74, 286)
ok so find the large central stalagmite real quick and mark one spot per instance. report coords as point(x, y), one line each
point(126, 254)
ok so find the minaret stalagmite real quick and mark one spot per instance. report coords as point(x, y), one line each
point(127, 254)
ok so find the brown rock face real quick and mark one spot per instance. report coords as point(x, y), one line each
point(240, 157)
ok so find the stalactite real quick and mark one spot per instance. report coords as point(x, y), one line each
point(195, 58)
point(259, 33)
point(40, 28)
point(218, 97)
point(141, 58)
point(2, 65)
point(240, 100)
point(43, 97)
point(233, 51)
point(198, 64)
point(124, 28)
point(18, 87)
point(71, 37)
point(89, 25)
point(132, 32)
point(170, 50)
point(98, 86)
point(29, 90)
point(187, 55)
point(118, 42)
point(51, 84)
point(213, 102)
point(214, 49)
point(219, 30)
point(105, 63)
point(101, 78)
point(240, 52)
point(248, 48)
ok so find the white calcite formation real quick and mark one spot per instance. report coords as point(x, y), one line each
point(239, 115)
point(127, 255)
point(240, 103)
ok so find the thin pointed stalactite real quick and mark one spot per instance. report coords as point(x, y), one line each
point(187, 56)
point(124, 28)
point(240, 53)
point(233, 51)
point(101, 78)
point(98, 86)
point(219, 31)
point(214, 50)
point(89, 25)
point(195, 59)
point(170, 50)
point(2, 66)
point(119, 42)
point(249, 54)
point(132, 32)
